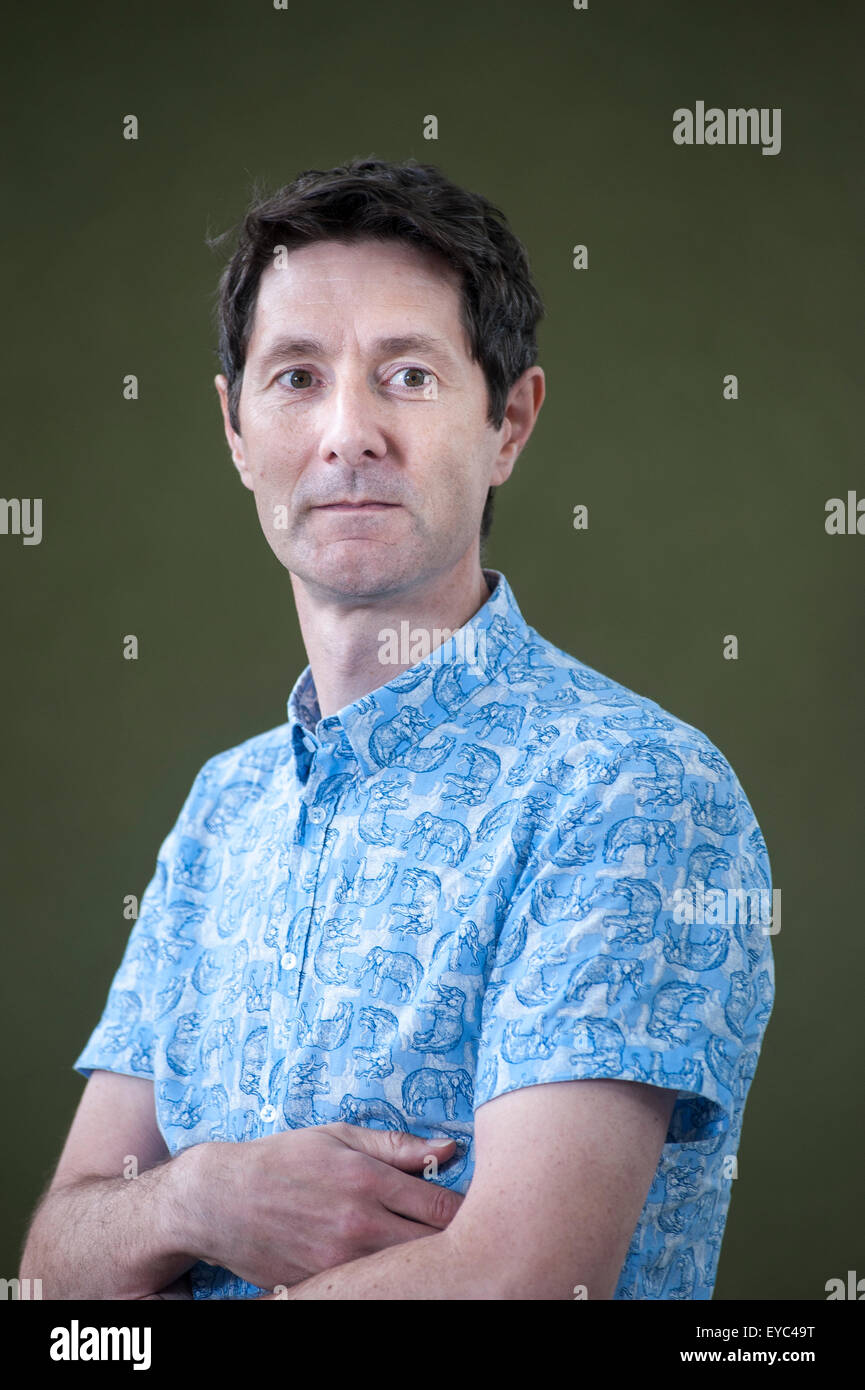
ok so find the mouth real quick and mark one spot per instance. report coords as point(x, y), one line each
point(356, 506)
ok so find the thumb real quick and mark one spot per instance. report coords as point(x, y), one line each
point(396, 1147)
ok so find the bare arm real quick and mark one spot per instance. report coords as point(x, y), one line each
point(562, 1173)
point(273, 1210)
point(97, 1234)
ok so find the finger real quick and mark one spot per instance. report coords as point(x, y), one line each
point(395, 1230)
point(395, 1147)
point(418, 1199)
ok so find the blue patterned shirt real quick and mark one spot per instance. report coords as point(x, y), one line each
point(471, 880)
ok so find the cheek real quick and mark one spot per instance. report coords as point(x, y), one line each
point(272, 459)
point(451, 459)
point(274, 438)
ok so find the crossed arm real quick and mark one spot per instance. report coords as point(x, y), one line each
point(562, 1171)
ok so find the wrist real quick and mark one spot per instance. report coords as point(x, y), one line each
point(186, 1223)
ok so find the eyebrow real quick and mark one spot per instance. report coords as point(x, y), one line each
point(313, 347)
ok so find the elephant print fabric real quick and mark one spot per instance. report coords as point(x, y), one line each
point(462, 884)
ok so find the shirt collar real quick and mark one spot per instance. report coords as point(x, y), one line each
point(385, 727)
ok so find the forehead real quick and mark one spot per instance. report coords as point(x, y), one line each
point(376, 287)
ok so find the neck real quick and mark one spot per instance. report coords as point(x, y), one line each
point(341, 634)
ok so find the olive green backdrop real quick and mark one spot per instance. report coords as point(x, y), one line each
point(706, 516)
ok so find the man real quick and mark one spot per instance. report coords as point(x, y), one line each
point(442, 901)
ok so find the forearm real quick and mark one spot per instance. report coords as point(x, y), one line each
point(114, 1238)
point(430, 1268)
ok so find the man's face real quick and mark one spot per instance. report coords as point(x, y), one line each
point(358, 389)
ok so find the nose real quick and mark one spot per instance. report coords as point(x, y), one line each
point(351, 424)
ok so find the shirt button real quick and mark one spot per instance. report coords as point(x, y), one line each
point(289, 961)
point(316, 814)
point(268, 1113)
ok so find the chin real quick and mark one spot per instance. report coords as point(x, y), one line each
point(358, 570)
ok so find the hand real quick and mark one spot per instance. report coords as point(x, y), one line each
point(181, 1288)
point(279, 1209)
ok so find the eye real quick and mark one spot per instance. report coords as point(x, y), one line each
point(296, 372)
point(414, 378)
point(419, 375)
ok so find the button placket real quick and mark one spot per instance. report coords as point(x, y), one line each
point(322, 818)
point(289, 962)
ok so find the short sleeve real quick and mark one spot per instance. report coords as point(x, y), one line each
point(638, 943)
point(149, 973)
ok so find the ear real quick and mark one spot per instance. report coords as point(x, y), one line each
point(235, 443)
point(524, 402)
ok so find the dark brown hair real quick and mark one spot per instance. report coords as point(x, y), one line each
point(410, 202)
